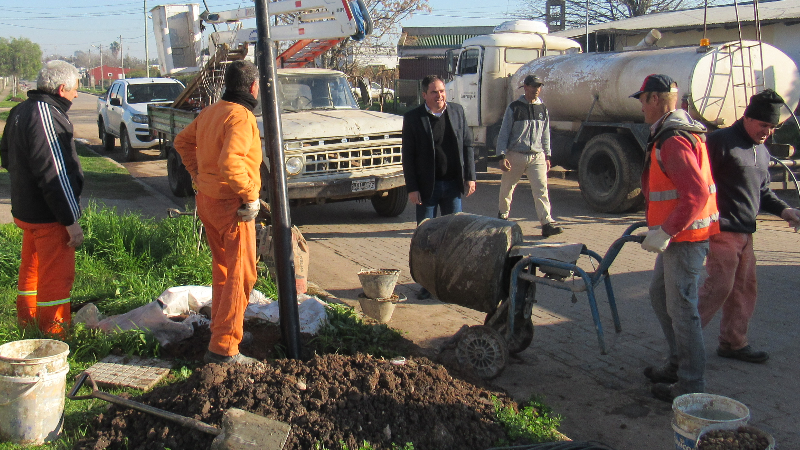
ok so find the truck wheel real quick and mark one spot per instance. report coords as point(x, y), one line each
point(390, 203)
point(106, 138)
point(180, 182)
point(609, 173)
point(129, 153)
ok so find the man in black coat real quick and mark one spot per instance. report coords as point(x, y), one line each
point(438, 158)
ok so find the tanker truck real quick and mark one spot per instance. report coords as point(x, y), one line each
point(596, 129)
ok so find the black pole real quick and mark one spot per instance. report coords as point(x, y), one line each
point(281, 223)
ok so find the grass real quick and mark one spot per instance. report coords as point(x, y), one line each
point(534, 423)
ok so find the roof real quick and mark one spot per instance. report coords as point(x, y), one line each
point(768, 11)
point(439, 37)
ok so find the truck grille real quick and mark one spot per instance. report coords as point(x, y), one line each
point(350, 154)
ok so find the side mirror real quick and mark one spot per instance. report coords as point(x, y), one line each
point(115, 101)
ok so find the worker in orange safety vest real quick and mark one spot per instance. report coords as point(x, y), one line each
point(221, 150)
point(681, 212)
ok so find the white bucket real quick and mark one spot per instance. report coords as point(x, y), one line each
point(693, 412)
point(33, 379)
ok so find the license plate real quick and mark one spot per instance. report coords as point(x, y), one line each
point(363, 185)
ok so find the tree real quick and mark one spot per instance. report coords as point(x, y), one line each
point(114, 47)
point(19, 58)
point(601, 11)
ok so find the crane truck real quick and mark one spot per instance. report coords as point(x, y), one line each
point(333, 150)
point(596, 128)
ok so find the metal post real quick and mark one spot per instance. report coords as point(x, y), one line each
point(146, 49)
point(281, 222)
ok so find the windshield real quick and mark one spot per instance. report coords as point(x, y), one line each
point(153, 92)
point(299, 92)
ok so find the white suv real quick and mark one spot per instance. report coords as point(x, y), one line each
point(122, 112)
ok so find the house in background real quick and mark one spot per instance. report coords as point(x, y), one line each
point(100, 73)
point(779, 20)
point(422, 52)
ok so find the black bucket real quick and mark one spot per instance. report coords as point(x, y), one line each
point(463, 258)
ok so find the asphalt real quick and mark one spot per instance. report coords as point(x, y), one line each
point(600, 397)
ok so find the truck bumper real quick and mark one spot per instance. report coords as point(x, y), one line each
point(345, 188)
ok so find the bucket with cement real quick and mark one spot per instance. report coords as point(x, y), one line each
point(33, 378)
point(693, 412)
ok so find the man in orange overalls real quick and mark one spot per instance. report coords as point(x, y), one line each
point(46, 182)
point(221, 150)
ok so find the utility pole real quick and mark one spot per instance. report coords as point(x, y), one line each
point(146, 50)
point(121, 59)
point(102, 75)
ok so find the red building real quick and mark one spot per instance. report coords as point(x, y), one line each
point(96, 74)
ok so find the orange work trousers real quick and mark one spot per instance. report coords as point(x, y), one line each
point(233, 269)
point(46, 275)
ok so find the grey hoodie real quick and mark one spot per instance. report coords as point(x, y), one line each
point(525, 129)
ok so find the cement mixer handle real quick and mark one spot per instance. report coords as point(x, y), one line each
point(96, 393)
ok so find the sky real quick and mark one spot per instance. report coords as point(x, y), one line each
point(62, 27)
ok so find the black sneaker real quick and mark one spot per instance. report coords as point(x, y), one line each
point(664, 391)
point(667, 373)
point(549, 229)
point(423, 294)
point(213, 358)
point(503, 216)
point(746, 354)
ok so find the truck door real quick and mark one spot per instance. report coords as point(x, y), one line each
point(467, 83)
point(115, 109)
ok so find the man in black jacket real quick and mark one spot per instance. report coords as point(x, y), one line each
point(46, 182)
point(739, 162)
point(438, 159)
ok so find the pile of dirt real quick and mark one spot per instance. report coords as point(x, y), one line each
point(328, 400)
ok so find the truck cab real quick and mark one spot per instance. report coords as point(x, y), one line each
point(482, 70)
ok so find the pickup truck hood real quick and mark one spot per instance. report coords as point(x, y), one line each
point(335, 123)
point(141, 108)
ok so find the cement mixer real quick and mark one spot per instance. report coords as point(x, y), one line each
point(596, 128)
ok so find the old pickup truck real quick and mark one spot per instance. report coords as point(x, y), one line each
point(334, 151)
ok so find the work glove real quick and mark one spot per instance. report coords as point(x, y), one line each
point(249, 211)
point(656, 240)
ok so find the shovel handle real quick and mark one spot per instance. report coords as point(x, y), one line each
point(96, 393)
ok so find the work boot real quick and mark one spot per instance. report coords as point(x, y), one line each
point(247, 339)
point(746, 354)
point(213, 358)
point(549, 229)
point(502, 215)
point(668, 373)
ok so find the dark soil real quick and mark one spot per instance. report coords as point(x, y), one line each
point(329, 400)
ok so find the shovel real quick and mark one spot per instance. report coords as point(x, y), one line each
point(240, 430)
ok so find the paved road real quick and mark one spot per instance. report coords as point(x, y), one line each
point(602, 397)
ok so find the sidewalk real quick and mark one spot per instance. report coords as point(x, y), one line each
point(601, 397)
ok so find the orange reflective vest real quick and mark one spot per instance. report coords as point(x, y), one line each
point(663, 198)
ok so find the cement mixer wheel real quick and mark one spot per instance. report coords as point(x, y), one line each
point(523, 332)
point(484, 350)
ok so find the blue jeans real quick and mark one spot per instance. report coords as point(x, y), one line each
point(673, 294)
point(446, 196)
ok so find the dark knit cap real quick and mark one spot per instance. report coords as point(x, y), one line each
point(765, 106)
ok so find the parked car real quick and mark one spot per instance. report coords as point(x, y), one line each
point(122, 112)
point(375, 92)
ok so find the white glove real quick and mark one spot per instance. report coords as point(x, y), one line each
point(656, 240)
point(249, 211)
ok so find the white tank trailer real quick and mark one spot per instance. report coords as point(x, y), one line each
point(597, 128)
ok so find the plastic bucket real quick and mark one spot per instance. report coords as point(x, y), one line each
point(33, 379)
point(746, 428)
point(378, 283)
point(693, 412)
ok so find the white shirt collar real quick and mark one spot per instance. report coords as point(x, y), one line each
point(439, 114)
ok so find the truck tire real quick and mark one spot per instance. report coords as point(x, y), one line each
point(106, 139)
point(129, 153)
point(180, 182)
point(609, 173)
point(392, 204)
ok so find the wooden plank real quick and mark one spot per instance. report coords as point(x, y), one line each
point(129, 371)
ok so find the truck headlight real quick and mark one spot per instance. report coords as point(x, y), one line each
point(294, 165)
point(139, 118)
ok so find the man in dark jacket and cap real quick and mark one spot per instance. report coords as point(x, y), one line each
point(38, 151)
point(739, 162)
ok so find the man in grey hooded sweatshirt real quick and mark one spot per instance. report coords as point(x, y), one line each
point(524, 145)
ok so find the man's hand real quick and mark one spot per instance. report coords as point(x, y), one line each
point(656, 240)
point(505, 165)
point(547, 161)
point(249, 211)
point(75, 235)
point(792, 216)
point(470, 188)
point(415, 198)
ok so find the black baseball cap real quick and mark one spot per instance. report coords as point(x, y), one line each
point(532, 80)
point(656, 83)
